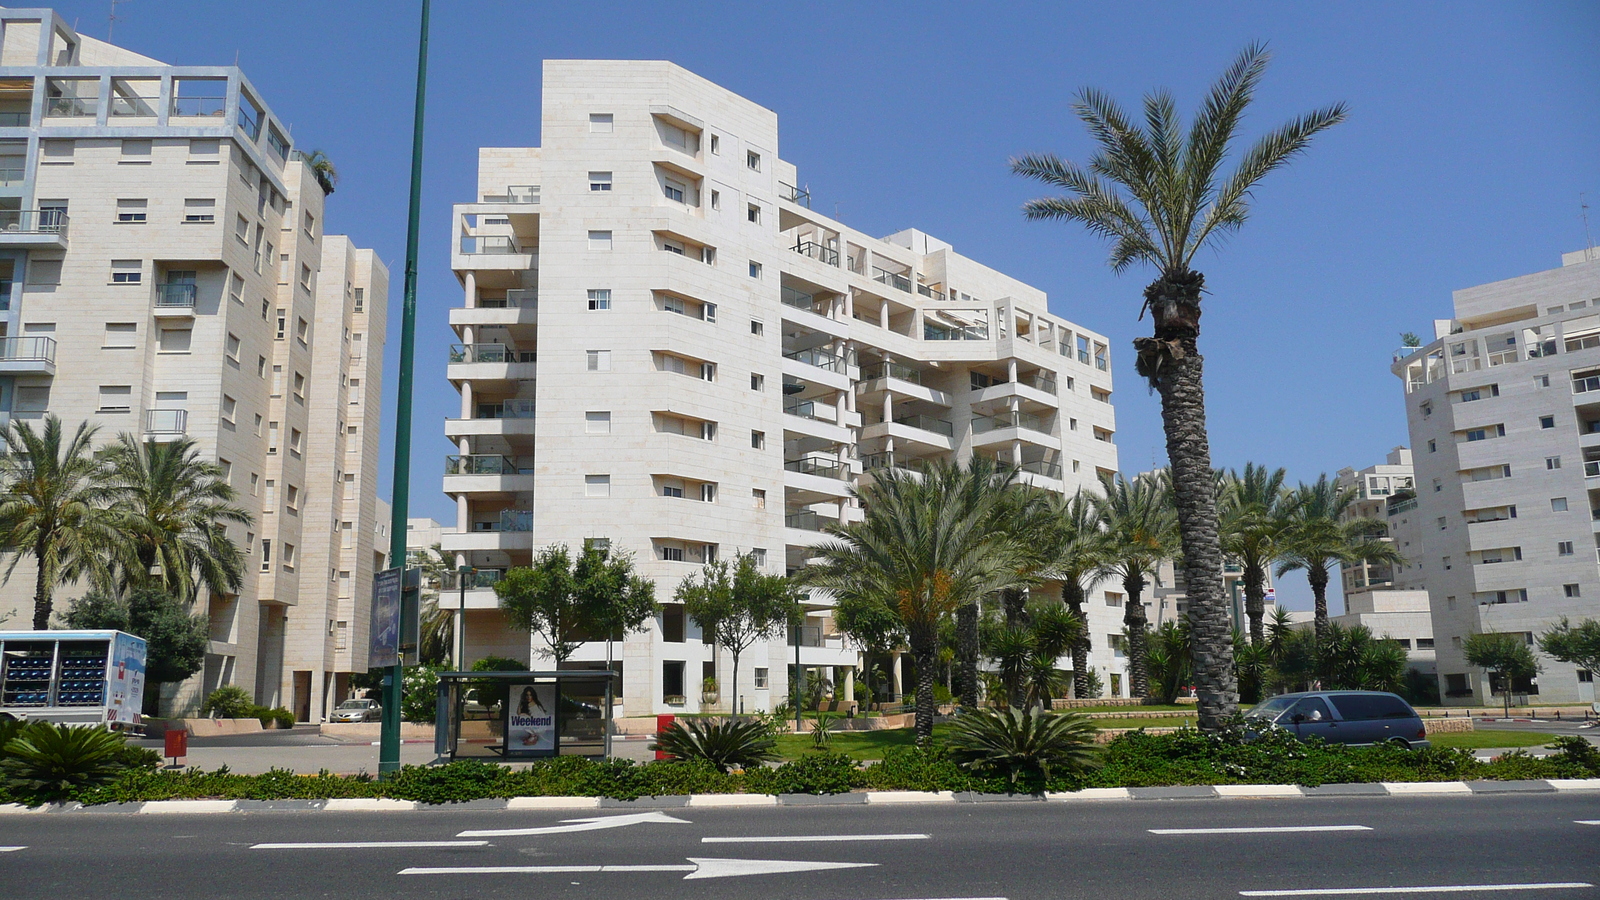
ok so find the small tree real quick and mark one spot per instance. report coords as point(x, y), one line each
point(176, 638)
point(1505, 656)
point(874, 626)
point(1577, 645)
point(568, 604)
point(737, 605)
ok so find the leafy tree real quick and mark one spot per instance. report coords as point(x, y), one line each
point(176, 638)
point(874, 627)
point(174, 508)
point(1410, 339)
point(1141, 533)
point(1078, 544)
point(737, 605)
point(1506, 657)
point(52, 509)
point(1577, 645)
point(1320, 536)
point(568, 602)
point(1160, 195)
point(1254, 517)
point(925, 548)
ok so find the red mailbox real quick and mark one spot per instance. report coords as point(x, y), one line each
point(177, 740)
point(662, 724)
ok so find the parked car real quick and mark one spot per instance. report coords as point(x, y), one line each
point(1345, 717)
point(357, 711)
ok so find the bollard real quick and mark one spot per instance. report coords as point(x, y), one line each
point(662, 724)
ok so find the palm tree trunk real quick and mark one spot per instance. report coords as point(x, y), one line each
point(1134, 620)
point(1171, 361)
point(1255, 602)
point(1072, 595)
point(924, 650)
point(967, 651)
point(41, 586)
point(1014, 602)
point(1317, 576)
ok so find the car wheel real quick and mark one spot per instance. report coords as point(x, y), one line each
point(1402, 743)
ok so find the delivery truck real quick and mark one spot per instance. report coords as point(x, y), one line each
point(72, 677)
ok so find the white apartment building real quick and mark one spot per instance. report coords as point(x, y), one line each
point(163, 272)
point(1389, 600)
point(1504, 413)
point(663, 346)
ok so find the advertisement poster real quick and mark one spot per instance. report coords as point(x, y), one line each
point(385, 647)
point(531, 720)
point(125, 687)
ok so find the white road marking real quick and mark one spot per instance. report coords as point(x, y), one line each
point(812, 838)
point(1280, 829)
point(1421, 889)
point(367, 845)
point(698, 868)
point(1587, 821)
point(12, 849)
point(591, 824)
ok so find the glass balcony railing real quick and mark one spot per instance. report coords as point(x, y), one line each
point(874, 371)
point(507, 409)
point(892, 461)
point(927, 423)
point(1042, 467)
point(490, 353)
point(893, 279)
point(517, 298)
point(930, 291)
point(822, 359)
point(515, 193)
point(932, 332)
point(1591, 469)
point(71, 107)
point(199, 106)
point(807, 520)
point(14, 119)
point(795, 194)
point(33, 221)
point(825, 255)
point(823, 466)
point(177, 295)
point(477, 579)
point(809, 409)
point(481, 464)
point(28, 348)
point(1039, 381)
point(11, 176)
point(981, 424)
point(491, 244)
point(166, 421)
point(516, 520)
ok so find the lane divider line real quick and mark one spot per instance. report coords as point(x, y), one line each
point(12, 849)
point(1422, 889)
point(812, 838)
point(1264, 829)
point(366, 845)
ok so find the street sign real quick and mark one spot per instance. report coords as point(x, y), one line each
point(384, 650)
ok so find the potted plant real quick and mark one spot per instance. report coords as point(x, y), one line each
point(709, 694)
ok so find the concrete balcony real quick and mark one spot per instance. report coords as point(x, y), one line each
point(815, 420)
point(486, 474)
point(523, 312)
point(1028, 391)
point(900, 381)
point(925, 432)
point(175, 301)
point(33, 229)
point(487, 540)
point(818, 367)
point(512, 418)
point(816, 478)
point(27, 356)
point(491, 365)
point(491, 252)
point(1009, 428)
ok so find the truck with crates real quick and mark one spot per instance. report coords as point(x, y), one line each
point(72, 677)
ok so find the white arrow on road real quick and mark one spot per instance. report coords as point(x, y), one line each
point(592, 824)
point(698, 868)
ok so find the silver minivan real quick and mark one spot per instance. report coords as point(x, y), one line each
point(1345, 717)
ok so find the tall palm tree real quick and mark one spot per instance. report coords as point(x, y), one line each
point(1078, 545)
point(1160, 195)
point(1141, 533)
point(1253, 519)
point(925, 548)
point(1321, 536)
point(52, 508)
point(175, 508)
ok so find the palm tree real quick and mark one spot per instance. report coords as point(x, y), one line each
point(174, 508)
point(1141, 533)
point(925, 548)
point(322, 167)
point(1254, 517)
point(1078, 546)
point(1321, 536)
point(52, 509)
point(1160, 196)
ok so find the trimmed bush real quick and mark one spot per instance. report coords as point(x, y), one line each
point(229, 702)
point(816, 773)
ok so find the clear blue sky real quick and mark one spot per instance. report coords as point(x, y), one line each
point(1473, 129)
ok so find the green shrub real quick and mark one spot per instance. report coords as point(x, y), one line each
point(459, 781)
point(1578, 753)
point(132, 758)
point(229, 702)
point(816, 773)
point(51, 762)
point(273, 716)
point(1017, 743)
point(419, 699)
point(725, 744)
point(915, 769)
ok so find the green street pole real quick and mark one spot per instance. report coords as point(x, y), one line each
point(389, 743)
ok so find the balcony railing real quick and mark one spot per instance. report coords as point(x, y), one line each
point(981, 424)
point(927, 291)
point(795, 194)
point(822, 466)
point(166, 421)
point(490, 244)
point(932, 332)
point(927, 423)
point(515, 193)
point(490, 353)
point(894, 279)
point(11, 176)
point(14, 119)
point(28, 348)
point(807, 520)
point(481, 464)
point(888, 460)
point(516, 520)
point(507, 409)
point(1585, 385)
point(1591, 469)
point(33, 221)
point(888, 369)
point(477, 579)
point(1039, 381)
point(809, 409)
point(169, 296)
point(800, 300)
point(522, 298)
point(1406, 505)
point(822, 359)
point(1042, 467)
point(200, 106)
point(825, 255)
point(60, 107)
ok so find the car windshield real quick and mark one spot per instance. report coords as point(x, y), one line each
point(1270, 708)
point(354, 704)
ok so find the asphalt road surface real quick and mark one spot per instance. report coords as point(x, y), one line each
point(1501, 845)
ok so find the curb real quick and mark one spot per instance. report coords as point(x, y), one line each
point(870, 798)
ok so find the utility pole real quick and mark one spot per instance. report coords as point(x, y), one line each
point(389, 744)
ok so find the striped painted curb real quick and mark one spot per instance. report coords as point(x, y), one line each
point(873, 798)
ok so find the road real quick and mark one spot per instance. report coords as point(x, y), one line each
point(1019, 851)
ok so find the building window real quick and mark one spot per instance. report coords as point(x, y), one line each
point(752, 214)
point(132, 212)
point(302, 331)
point(599, 299)
point(599, 240)
point(756, 328)
point(752, 160)
point(597, 485)
point(115, 398)
point(673, 189)
point(597, 422)
point(175, 340)
point(1563, 548)
point(708, 493)
point(127, 271)
point(673, 490)
point(1552, 462)
point(1433, 446)
point(360, 299)
point(716, 199)
point(1114, 599)
point(266, 554)
point(755, 269)
point(672, 554)
point(599, 181)
point(291, 498)
point(1570, 590)
point(758, 498)
point(1558, 504)
point(761, 679)
point(758, 382)
point(121, 335)
point(1547, 421)
point(599, 360)
point(1442, 523)
point(758, 440)
point(1541, 381)
point(600, 123)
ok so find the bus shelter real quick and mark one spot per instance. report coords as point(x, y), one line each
point(523, 715)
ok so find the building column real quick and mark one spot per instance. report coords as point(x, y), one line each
point(1011, 370)
point(470, 286)
point(849, 684)
point(883, 316)
point(894, 677)
point(462, 515)
point(466, 400)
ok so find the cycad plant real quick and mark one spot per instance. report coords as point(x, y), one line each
point(1254, 518)
point(1159, 194)
point(52, 762)
point(1015, 742)
point(1322, 535)
point(1141, 533)
point(728, 744)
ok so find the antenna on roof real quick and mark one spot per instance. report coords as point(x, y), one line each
point(111, 20)
point(1583, 209)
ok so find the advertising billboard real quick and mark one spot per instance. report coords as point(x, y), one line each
point(125, 679)
point(531, 720)
point(384, 650)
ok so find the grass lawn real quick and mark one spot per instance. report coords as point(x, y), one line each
point(1164, 722)
point(1153, 707)
point(1485, 738)
point(864, 745)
